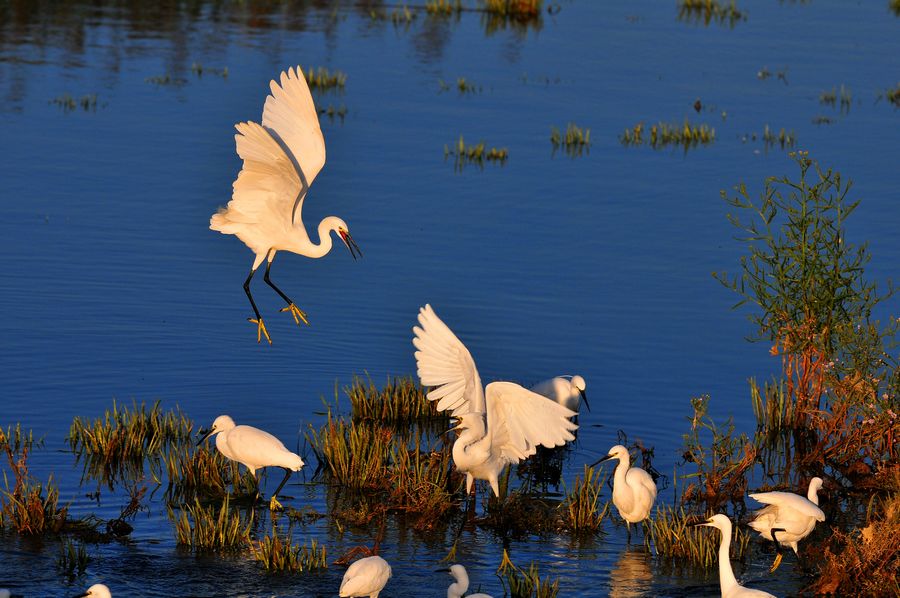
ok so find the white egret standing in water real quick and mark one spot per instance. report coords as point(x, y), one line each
point(501, 423)
point(98, 590)
point(633, 489)
point(728, 584)
point(461, 583)
point(255, 449)
point(365, 577)
point(788, 517)
point(568, 391)
point(282, 157)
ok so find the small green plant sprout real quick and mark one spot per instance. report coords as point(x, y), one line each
point(402, 16)
point(166, 80)
point(709, 11)
point(24, 508)
point(673, 536)
point(443, 8)
point(830, 98)
point(574, 141)
point(662, 135)
point(68, 103)
point(279, 555)
point(200, 70)
point(580, 510)
point(401, 400)
point(333, 112)
point(525, 584)
point(464, 86)
point(474, 154)
point(322, 79)
point(783, 139)
point(209, 529)
point(892, 95)
point(72, 561)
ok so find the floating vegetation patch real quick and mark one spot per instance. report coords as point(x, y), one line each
point(200, 70)
point(581, 512)
point(831, 97)
point(72, 560)
point(674, 536)
point(710, 11)
point(25, 508)
point(663, 135)
point(518, 9)
point(463, 86)
point(68, 103)
point(323, 79)
point(823, 120)
point(574, 141)
point(279, 555)
point(444, 8)
point(783, 138)
point(526, 583)
point(333, 112)
point(400, 401)
point(464, 154)
point(207, 528)
point(764, 73)
point(892, 95)
point(166, 80)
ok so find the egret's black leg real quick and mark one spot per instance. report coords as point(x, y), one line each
point(273, 502)
point(780, 554)
point(298, 313)
point(260, 326)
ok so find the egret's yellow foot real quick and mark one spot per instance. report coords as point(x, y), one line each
point(260, 330)
point(274, 505)
point(298, 313)
point(776, 563)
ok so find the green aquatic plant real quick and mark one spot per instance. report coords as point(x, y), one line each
point(68, 103)
point(72, 561)
point(708, 11)
point(279, 555)
point(580, 509)
point(401, 400)
point(673, 535)
point(166, 80)
point(783, 139)
point(892, 95)
point(324, 79)
point(444, 8)
point(574, 141)
point(830, 98)
point(519, 9)
point(200, 70)
point(29, 507)
point(403, 15)
point(206, 474)
point(207, 528)
point(526, 583)
point(464, 154)
point(354, 454)
point(662, 135)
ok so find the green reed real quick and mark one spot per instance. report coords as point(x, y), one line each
point(205, 474)
point(574, 141)
point(580, 511)
point(72, 561)
point(29, 507)
point(673, 535)
point(324, 79)
point(526, 583)
point(356, 455)
point(662, 135)
point(401, 400)
point(519, 9)
point(479, 153)
point(282, 556)
point(443, 8)
point(708, 11)
point(207, 528)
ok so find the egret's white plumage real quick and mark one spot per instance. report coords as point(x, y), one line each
point(633, 489)
point(461, 583)
point(792, 516)
point(98, 590)
point(728, 584)
point(501, 423)
point(568, 391)
point(282, 158)
point(366, 577)
point(254, 448)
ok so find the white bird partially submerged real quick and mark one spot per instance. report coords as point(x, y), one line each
point(365, 577)
point(788, 517)
point(634, 491)
point(98, 590)
point(727, 583)
point(255, 449)
point(282, 157)
point(568, 391)
point(501, 423)
point(460, 583)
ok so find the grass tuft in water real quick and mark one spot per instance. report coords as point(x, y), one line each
point(580, 508)
point(474, 154)
point(519, 9)
point(324, 79)
point(206, 528)
point(892, 95)
point(708, 11)
point(574, 141)
point(68, 103)
point(166, 80)
point(672, 535)
point(400, 401)
point(25, 508)
point(205, 474)
point(72, 561)
point(282, 556)
point(663, 135)
point(200, 70)
point(444, 8)
point(831, 97)
point(526, 584)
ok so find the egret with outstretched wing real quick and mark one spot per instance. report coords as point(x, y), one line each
point(787, 518)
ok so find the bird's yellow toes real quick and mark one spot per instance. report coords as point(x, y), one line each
point(298, 314)
point(776, 563)
point(274, 505)
point(260, 330)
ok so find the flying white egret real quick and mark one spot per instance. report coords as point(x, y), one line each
point(461, 584)
point(568, 391)
point(788, 517)
point(633, 489)
point(98, 590)
point(281, 160)
point(728, 584)
point(501, 423)
point(255, 449)
point(365, 577)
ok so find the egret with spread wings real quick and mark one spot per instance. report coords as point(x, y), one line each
point(282, 157)
point(501, 423)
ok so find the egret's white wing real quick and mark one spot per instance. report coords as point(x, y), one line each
point(791, 501)
point(519, 420)
point(444, 363)
point(290, 115)
point(643, 478)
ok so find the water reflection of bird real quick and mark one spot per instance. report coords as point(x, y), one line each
point(461, 583)
point(728, 584)
point(365, 577)
point(253, 448)
point(282, 157)
point(631, 576)
point(633, 489)
point(788, 517)
point(568, 391)
point(501, 423)
point(98, 590)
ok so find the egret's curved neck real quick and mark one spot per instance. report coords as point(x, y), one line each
point(726, 575)
point(813, 495)
point(472, 447)
point(458, 588)
point(325, 241)
point(620, 484)
point(222, 444)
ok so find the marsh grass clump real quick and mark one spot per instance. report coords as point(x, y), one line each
point(200, 70)
point(210, 529)
point(423, 482)
point(474, 154)
point(68, 103)
point(663, 135)
point(279, 555)
point(355, 454)
point(205, 474)
point(29, 507)
point(443, 8)
point(580, 512)
point(674, 536)
point(783, 139)
point(323, 79)
point(772, 407)
point(518, 9)
point(72, 561)
point(708, 11)
point(526, 583)
point(830, 98)
point(401, 400)
point(574, 141)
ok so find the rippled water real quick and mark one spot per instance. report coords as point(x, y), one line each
point(599, 265)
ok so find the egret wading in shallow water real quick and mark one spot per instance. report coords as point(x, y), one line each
point(568, 391)
point(728, 584)
point(501, 423)
point(255, 449)
point(461, 584)
point(282, 157)
point(788, 517)
point(98, 590)
point(365, 577)
point(633, 489)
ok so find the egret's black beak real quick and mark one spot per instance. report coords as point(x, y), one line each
point(606, 458)
point(206, 434)
point(584, 398)
point(82, 595)
point(447, 570)
point(350, 243)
